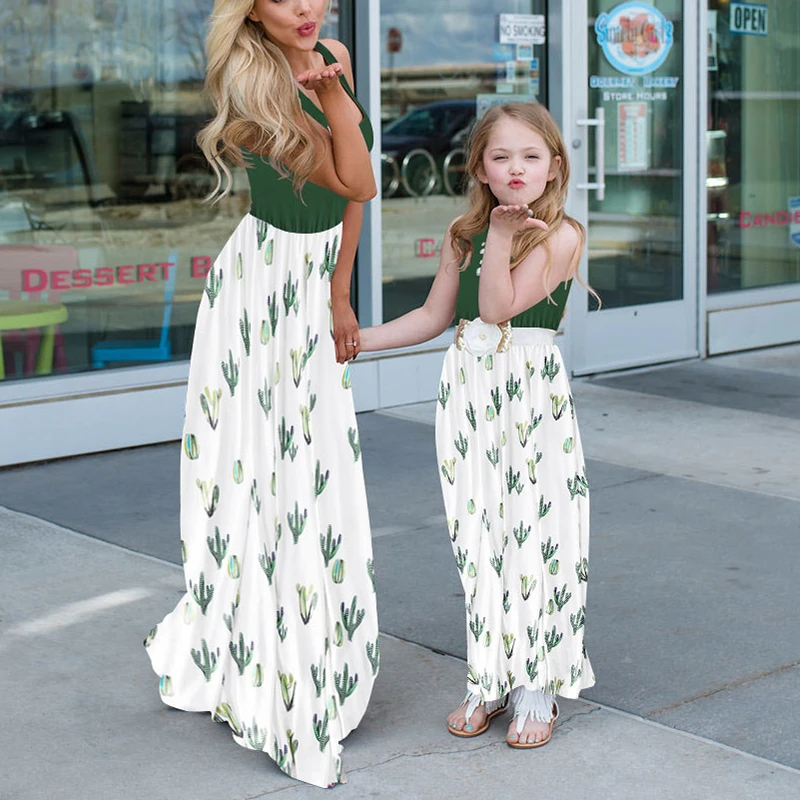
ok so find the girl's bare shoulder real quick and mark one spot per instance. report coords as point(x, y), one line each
point(566, 235)
point(565, 240)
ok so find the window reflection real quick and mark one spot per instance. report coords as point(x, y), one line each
point(104, 239)
point(449, 54)
point(753, 156)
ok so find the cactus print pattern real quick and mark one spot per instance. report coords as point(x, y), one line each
point(517, 504)
point(277, 633)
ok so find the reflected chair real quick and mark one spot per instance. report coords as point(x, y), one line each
point(143, 350)
point(15, 260)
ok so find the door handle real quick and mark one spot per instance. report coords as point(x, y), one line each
point(599, 122)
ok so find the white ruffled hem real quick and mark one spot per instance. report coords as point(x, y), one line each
point(532, 703)
point(474, 700)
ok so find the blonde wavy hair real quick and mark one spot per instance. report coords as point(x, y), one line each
point(549, 207)
point(255, 99)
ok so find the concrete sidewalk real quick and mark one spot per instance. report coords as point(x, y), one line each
point(693, 629)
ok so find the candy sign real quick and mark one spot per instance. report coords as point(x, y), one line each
point(635, 37)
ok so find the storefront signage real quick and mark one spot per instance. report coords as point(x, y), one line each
point(427, 248)
point(628, 90)
point(522, 29)
point(38, 280)
point(768, 219)
point(635, 37)
point(632, 137)
point(748, 18)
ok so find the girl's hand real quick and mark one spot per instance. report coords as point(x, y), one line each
point(322, 80)
point(346, 336)
point(510, 220)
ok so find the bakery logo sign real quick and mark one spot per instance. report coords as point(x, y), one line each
point(635, 37)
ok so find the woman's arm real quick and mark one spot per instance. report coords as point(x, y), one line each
point(346, 168)
point(502, 292)
point(345, 324)
point(427, 321)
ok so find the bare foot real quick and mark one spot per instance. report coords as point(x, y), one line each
point(457, 720)
point(532, 732)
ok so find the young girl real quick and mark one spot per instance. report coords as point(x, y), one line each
point(277, 633)
point(510, 457)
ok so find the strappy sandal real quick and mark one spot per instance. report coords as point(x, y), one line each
point(526, 708)
point(490, 715)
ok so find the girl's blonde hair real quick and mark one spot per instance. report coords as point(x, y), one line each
point(255, 99)
point(549, 207)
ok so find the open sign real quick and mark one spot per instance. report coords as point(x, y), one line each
point(748, 18)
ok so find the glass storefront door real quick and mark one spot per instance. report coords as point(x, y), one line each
point(753, 183)
point(753, 153)
point(629, 129)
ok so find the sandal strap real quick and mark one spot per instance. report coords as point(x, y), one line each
point(537, 705)
point(474, 700)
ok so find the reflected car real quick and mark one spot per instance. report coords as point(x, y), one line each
point(422, 150)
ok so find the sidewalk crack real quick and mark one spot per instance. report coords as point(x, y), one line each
point(731, 685)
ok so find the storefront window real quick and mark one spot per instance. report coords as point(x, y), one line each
point(439, 60)
point(753, 178)
point(104, 239)
point(636, 74)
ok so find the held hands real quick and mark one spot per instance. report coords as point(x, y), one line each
point(322, 80)
point(346, 336)
point(510, 220)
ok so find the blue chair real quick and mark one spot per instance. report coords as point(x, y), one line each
point(156, 350)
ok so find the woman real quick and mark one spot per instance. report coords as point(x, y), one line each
point(277, 634)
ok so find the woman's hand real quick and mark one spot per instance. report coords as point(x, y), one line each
point(322, 80)
point(510, 220)
point(346, 335)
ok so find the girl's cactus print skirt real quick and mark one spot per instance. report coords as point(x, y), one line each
point(517, 504)
point(277, 634)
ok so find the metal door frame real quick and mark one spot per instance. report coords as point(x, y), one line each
point(670, 327)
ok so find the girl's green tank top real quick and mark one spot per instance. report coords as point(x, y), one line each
point(545, 314)
point(315, 208)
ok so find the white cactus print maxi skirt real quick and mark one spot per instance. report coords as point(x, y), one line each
point(277, 634)
point(517, 504)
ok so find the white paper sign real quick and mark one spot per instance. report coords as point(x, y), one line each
point(794, 216)
point(522, 29)
point(632, 137)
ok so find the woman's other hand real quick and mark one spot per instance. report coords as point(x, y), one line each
point(346, 334)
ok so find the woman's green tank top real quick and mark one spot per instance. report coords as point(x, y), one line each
point(273, 198)
point(545, 314)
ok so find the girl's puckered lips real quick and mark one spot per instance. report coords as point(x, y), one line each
point(516, 183)
point(307, 29)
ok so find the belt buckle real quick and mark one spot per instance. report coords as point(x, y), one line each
point(481, 338)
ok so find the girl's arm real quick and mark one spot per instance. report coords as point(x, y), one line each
point(345, 324)
point(502, 292)
point(349, 171)
point(430, 319)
